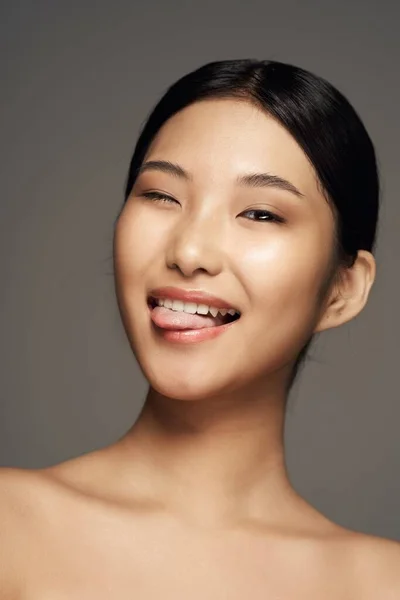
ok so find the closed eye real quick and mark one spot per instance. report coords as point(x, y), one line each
point(159, 197)
point(264, 215)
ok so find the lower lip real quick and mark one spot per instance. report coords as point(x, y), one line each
point(190, 336)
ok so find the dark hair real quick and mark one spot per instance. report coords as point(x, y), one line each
point(319, 118)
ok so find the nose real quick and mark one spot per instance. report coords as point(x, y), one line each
point(196, 245)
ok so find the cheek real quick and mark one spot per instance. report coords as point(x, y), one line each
point(284, 264)
point(135, 245)
point(282, 281)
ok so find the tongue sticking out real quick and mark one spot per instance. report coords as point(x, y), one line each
point(172, 319)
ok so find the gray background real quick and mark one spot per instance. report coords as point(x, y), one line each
point(78, 79)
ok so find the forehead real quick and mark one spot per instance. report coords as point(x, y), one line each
point(218, 139)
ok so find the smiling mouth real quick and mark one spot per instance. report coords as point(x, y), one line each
point(219, 319)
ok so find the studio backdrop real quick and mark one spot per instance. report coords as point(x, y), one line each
point(77, 81)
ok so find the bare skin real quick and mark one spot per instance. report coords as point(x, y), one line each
point(195, 500)
point(64, 537)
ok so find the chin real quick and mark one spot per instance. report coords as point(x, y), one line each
point(191, 388)
point(176, 393)
point(189, 391)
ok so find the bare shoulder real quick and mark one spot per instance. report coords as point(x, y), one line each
point(376, 563)
point(18, 490)
point(21, 490)
point(26, 493)
point(31, 504)
point(365, 566)
point(21, 499)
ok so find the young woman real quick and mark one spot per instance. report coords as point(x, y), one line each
point(248, 227)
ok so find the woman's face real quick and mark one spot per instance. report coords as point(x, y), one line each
point(210, 236)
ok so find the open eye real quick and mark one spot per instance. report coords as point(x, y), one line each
point(265, 215)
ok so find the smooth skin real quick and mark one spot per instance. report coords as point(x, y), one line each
point(195, 500)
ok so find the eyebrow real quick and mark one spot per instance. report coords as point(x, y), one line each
point(254, 180)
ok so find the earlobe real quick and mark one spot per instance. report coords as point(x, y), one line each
point(350, 292)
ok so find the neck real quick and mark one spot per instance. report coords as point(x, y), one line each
point(214, 459)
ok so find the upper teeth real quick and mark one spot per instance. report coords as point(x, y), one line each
point(192, 307)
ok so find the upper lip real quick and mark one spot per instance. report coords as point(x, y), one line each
point(197, 296)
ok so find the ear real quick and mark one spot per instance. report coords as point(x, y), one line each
point(349, 293)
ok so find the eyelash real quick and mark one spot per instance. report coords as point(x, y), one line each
point(163, 198)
